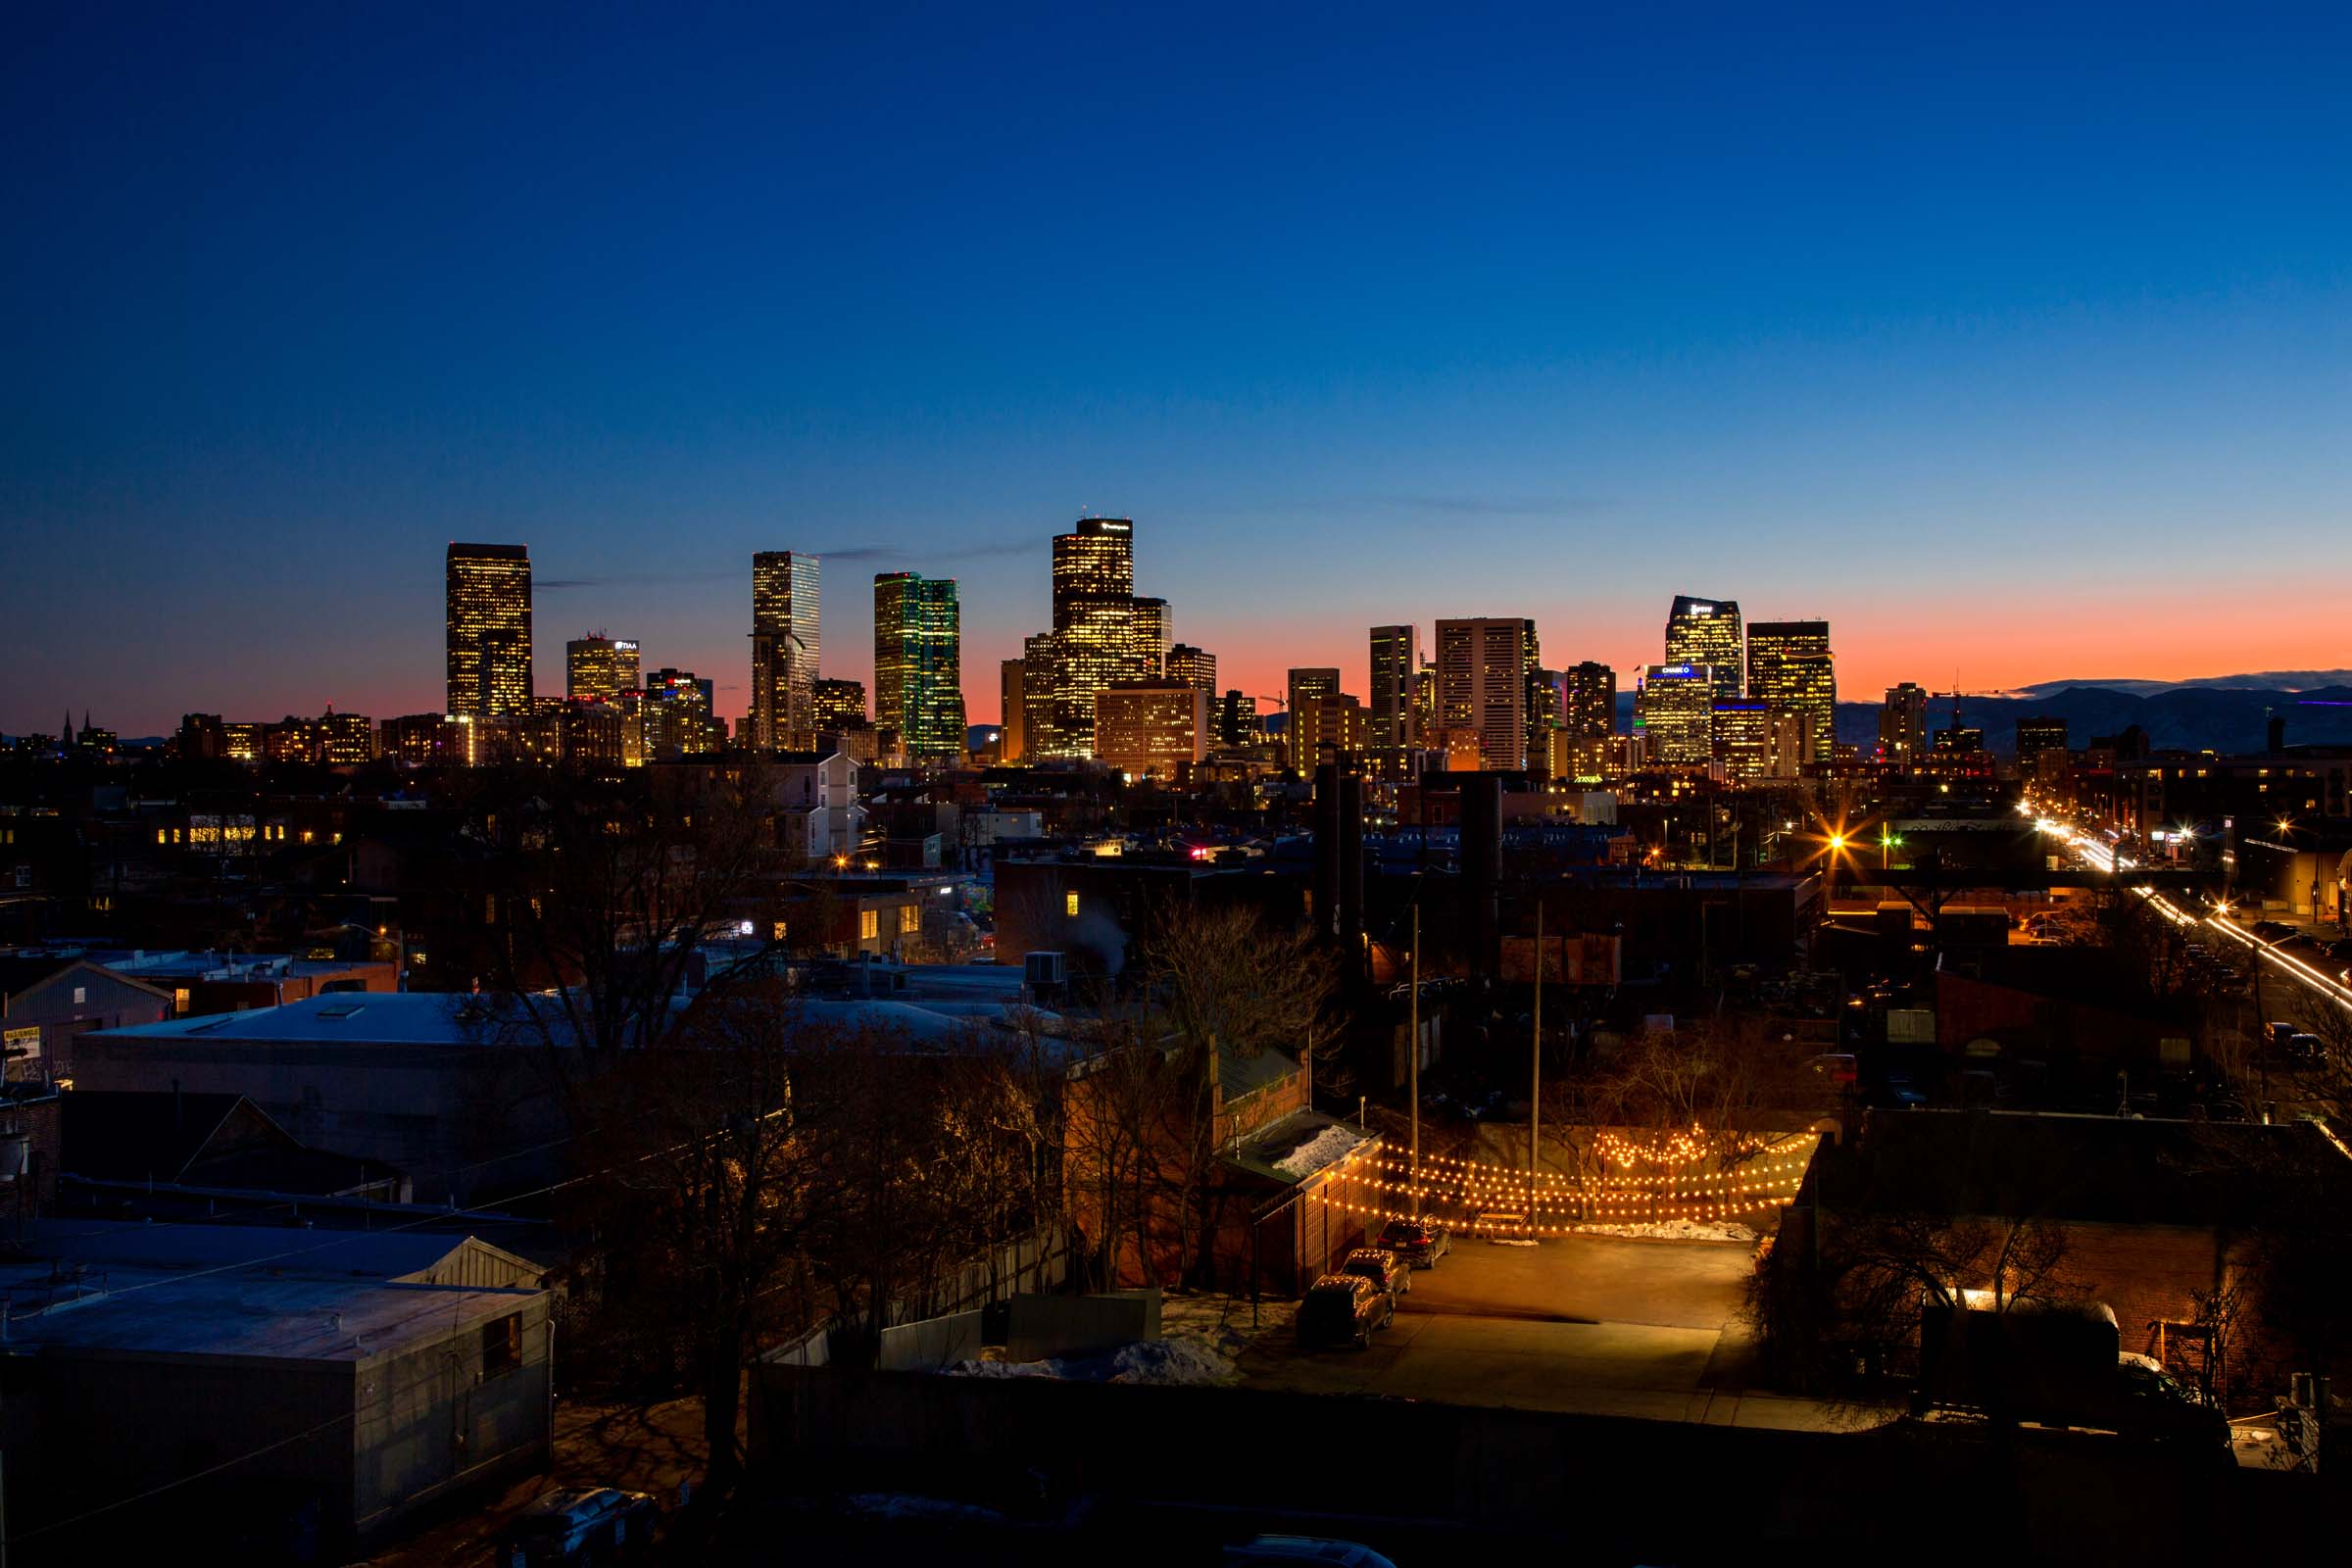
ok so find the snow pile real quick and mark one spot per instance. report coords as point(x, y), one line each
point(1674, 1229)
point(1326, 1148)
point(1180, 1358)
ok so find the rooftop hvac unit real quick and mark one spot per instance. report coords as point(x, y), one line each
point(1042, 969)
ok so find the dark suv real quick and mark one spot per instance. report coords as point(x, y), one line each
point(1419, 1241)
point(1344, 1309)
point(1382, 1267)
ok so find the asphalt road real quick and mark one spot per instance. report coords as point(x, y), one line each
point(1597, 1325)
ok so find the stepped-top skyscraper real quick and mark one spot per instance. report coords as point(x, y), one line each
point(1789, 667)
point(784, 647)
point(1706, 631)
point(1094, 640)
point(489, 608)
point(918, 662)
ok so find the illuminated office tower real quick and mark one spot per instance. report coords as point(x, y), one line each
point(1193, 666)
point(1425, 703)
point(678, 716)
point(1148, 632)
point(600, 668)
point(1483, 667)
point(1305, 686)
point(1150, 729)
point(1743, 738)
point(1093, 642)
point(918, 664)
point(1674, 714)
point(1903, 725)
point(784, 647)
point(1706, 631)
point(839, 704)
point(1790, 667)
point(1396, 663)
point(489, 629)
point(1325, 727)
point(1543, 710)
point(1012, 719)
point(1587, 699)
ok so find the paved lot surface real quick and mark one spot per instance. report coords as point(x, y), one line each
point(1598, 1325)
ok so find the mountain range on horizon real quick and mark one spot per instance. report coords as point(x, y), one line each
point(2269, 680)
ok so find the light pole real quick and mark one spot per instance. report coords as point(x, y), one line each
point(1535, 1100)
point(1412, 1064)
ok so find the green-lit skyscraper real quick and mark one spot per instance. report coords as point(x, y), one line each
point(918, 664)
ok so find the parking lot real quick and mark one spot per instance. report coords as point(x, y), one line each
point(1592, 1324)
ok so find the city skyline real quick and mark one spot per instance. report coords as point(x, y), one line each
point(1626, 310)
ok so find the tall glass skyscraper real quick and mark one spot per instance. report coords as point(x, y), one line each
point(489, 610)
point(1674, 712)
point(1093, 640)
point(1791, 669)
point(784, 647)
point(1706, 631)
point(918, 664)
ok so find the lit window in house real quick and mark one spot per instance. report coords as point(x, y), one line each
point(869, 924)
point(1069, 905)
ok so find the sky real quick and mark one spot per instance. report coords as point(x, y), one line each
point(2018, 345)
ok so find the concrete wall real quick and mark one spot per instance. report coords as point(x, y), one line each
point(1050, 1326)
point(429, 1420)
point(931, 1343)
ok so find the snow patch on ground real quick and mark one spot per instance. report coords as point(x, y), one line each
point(906, 1505)
point(1676, 1229)
point(1180, 1358)
point(1326, 1148)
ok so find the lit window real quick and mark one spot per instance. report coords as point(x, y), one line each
point(1069, 905)
point(179, 1000)
point(869, 924)
point(779, 932)
point(163, 835)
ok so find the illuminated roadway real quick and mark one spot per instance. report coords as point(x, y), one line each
point(2104, 858)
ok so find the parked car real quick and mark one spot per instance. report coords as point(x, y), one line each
point(1419, 1241)
point(1344, 1309)
point(2272, 930)
point(580, 1525)
point(1382, 1267)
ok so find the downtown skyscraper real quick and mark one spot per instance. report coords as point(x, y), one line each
point(601, 668)
point(1396, 662)
point(1094, 640)
point(918, 664)
point(1483, 671)
point(489, 612)
point(784, 647)
point(1789, 668)
point(1706, 631)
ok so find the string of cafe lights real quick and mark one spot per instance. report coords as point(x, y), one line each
point(1802, 1144)
point(1516, 1227)
point(1518, 1180)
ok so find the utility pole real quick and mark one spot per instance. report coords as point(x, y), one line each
point(1412, 1064)
point(1535, 1100)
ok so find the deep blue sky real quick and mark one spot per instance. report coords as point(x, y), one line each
point(2021, 347)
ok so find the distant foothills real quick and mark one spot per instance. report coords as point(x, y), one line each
point(2213, 712)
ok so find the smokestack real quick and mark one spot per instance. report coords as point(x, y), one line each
point(1326, 885)
point(1482, 866)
